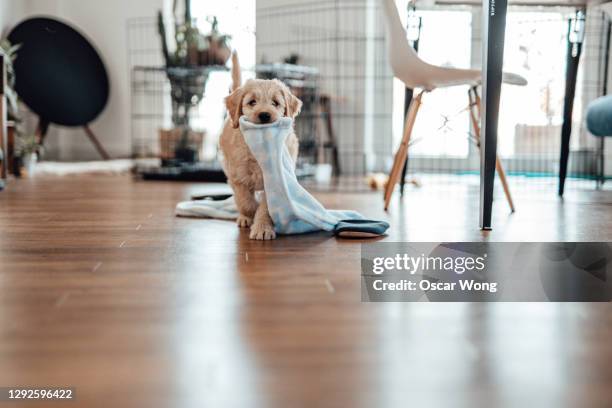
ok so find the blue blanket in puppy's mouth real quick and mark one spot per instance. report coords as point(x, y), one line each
point(293, 209)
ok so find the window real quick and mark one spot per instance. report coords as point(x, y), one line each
point(236, 18)
point(442, 127)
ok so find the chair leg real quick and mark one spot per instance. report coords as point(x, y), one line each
point(402, 151)
point(94, 140)
point(475, 105)
point(502, 177)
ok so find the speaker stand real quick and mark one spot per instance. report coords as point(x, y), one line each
point(43, 127)
point(94, 140)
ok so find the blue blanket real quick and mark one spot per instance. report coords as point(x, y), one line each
point(293, 209)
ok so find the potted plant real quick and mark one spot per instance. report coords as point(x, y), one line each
point(8, 52)
point(191, 47)
point(218, 45)
point(189, 61)
point(27, 149)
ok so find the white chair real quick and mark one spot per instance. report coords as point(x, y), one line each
point(416, 73)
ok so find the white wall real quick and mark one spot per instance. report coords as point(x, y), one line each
point(104, 23)
point(10, 12)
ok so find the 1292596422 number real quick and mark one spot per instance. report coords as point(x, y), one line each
point(11, 394)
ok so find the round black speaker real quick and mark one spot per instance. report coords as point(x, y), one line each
point(58, 73)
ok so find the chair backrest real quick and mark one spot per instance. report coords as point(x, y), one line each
point(400, 51)
point(406, 64)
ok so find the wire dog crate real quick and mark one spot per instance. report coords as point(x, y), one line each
point(344, 41)
point(304, 83)
point(165, 112)
point(165, 97)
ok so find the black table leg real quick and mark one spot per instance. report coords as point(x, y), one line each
point(601, 178)
point(493, 59)
point(571, 71)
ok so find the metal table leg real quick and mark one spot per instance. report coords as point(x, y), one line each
point(574, 49)
point(601, 178)
point(493, 58)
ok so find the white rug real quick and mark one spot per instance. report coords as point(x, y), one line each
point(107, 167)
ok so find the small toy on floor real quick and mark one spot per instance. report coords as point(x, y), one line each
point(378, 181)
point(292, 209)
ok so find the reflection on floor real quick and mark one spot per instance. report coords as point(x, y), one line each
point(104, 290)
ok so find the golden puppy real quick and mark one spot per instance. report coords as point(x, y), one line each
point(261, 101)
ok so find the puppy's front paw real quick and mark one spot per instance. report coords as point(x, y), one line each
point(262, 232)
point(244, 221)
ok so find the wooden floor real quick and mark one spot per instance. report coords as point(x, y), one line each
point(104, 290)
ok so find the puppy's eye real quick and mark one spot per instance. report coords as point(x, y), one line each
point(252, 102)
point(276, 104)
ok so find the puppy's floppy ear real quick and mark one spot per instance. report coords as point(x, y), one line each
point(233, 103)
point(293, 105)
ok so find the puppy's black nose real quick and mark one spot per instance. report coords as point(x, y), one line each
point(264, 117)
